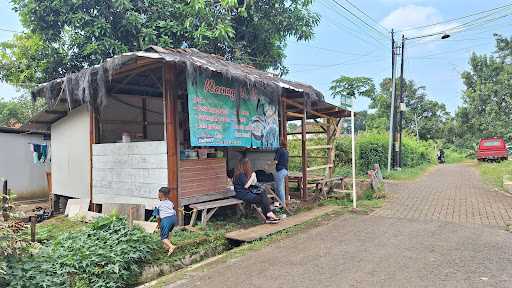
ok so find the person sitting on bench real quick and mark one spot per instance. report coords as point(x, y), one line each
point(243, 179)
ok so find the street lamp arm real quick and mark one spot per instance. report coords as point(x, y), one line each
point(430, 35)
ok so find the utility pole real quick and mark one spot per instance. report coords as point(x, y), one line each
point(393, 95)
point(402, 105)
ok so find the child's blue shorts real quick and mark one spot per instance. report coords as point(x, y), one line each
point(166, 226)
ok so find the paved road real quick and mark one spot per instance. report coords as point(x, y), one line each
point(452, 193)
point(380, 251)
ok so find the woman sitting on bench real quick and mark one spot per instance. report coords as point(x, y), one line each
point(243, 179)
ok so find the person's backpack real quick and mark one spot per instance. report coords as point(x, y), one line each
point(263, 177)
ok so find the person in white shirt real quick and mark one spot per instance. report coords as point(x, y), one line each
point(166, 217)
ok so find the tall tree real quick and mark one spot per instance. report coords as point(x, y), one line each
point(17, 111)
point(487, 99)
point(71, 35)
point(352, 87)
point(345, 88)
point(504, 48)
point(423, 117)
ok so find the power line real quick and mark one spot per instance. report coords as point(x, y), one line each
point(355, 33)
point(345, 28)
point(468, 48)
point(334, 50)
point(9, 30)
point(481, 21)
point(475, 22)
point(455, 19)
point(359, 18)
point(338, 64)
point(366, 14)
point(469, 32)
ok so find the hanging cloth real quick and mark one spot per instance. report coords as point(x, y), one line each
point(44, 153)
point(36, 149)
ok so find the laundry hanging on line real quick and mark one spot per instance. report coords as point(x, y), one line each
point(40, 153)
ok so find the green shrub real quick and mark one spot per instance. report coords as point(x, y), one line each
point(456, 155)
point(371, 148)
point(105, 253)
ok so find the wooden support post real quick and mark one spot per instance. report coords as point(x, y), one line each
point(144, 118)
point(92, 141)
point(304, 190)
point(331, 141)
point(285, 139)
point(171, 134)
point(194, 217)
point(130, 216)
point(5, 200)
point(33, 222)
point(5, 195)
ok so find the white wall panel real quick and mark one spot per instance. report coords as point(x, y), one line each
point(129, 173)
point(26, 179)
point(71, 155)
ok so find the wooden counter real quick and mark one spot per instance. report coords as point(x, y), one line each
point(202, 180)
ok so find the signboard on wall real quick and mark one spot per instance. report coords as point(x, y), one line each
point(226, 113)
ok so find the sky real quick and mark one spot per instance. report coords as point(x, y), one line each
point(350, 48)
point(434, 63)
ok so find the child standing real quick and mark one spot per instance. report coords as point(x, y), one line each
point(166, 217)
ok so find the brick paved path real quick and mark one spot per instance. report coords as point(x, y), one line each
point(452, 193)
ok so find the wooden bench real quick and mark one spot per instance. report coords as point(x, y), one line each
point(212, 206)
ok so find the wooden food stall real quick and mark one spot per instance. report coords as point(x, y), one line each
point(172, 117)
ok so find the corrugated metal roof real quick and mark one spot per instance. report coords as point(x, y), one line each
point(22, 130)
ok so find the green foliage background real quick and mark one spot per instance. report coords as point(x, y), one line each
point(19, 110)
point(63, 37)
point(371, 148)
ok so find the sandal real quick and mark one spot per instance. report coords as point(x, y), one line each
point(271, 221)
point(171, 250)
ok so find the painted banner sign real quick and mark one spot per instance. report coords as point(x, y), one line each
point(224, 113)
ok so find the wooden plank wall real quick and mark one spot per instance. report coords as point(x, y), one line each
point(202, 176)
point(129, 173)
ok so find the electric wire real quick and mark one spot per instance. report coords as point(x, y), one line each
point(478, 22)
point(366, 14)
point(359, 18)
point(9, 30)
point(334, 8)
point(462, 49)
point(346, 28)
point(454, 19)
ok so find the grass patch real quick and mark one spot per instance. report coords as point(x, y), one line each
point(452, 156)
point(407, 173)
point(53, 227)
point(492, 173)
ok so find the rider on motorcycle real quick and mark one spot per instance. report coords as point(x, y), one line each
point(440, 155)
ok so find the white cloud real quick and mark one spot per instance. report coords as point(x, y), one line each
point(414, 16)
point(411, 15)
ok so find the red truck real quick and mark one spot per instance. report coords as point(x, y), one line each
point(492, 149)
